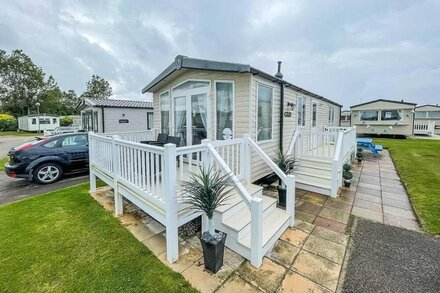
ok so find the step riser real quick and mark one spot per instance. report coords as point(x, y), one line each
point(271, 243)
point(314, 165)
point(320, 190)
point(317, 180)
point(246, 229)
point(232, 210)
point(313, 173)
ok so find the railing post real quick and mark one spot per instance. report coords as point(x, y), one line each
point(169, 183)
point(92, 149)
point(256, 231)
point(247, 173)
point(290, 198)
point(119, 206)
point(206, 161)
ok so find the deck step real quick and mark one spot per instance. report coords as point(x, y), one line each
point(321, 175)
point(272, 226)
point(242, 217)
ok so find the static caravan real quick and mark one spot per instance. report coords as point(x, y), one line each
point(232, 118)
point(427, 119)
point(202, 99)
point(346, 118)
point(111, 115)
point(38, 122)
point(383, 117)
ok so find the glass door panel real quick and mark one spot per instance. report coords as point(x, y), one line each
point(199, 118)
point(180, 119)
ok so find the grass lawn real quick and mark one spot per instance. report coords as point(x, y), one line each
point(418, 163)
point(64, 241)
point(3, 161)
point(21, 133)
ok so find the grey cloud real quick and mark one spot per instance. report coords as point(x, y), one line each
point(346, 51)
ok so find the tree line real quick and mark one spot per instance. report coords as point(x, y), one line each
point(23, 84)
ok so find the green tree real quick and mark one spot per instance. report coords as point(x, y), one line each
point(98, 88)
point(69, 102)
point(21, 82)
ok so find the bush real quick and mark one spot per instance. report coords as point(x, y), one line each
point(66, 121)
point(7, 123)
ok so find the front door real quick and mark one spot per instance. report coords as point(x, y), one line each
point(191, 115)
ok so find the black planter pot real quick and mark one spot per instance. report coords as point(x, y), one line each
point(359, 160)
point(282, 196)
point(213, 253)
point(347, 183)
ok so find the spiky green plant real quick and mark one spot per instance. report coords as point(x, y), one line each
point(205, 191)
point(285, 162)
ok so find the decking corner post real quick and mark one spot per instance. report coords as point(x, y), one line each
point(256, 231)
point(206, 162)
point(291, 198)
point(92, 176)
point(247, 159)
point(171, 220)
point(119, 205)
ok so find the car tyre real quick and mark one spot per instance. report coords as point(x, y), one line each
point(47, 173)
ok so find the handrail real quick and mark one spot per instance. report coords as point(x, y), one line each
point(266, 159)
point(292, 142)
point(243, 192)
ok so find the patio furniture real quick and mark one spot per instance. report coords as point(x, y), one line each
point(367, 144)
point(170, 139)
point(161, 139)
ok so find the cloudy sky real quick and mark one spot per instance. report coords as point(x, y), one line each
point(350, 52)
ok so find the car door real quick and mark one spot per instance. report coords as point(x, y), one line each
point(76, 150)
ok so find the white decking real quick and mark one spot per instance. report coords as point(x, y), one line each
point(319, 157)
point(422, 127)
point(149, 176)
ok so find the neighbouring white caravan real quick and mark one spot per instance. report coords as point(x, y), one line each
point(111, 115)
point(38, 122)
point(384, 117)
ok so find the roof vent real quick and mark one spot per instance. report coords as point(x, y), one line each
point(279, 74)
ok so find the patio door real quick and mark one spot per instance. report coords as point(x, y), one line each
point(191, 114)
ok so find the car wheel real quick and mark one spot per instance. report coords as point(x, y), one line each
point(47, 173)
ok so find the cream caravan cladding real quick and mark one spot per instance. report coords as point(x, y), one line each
point(428, 113)
point(383, 117)
point(245, 93)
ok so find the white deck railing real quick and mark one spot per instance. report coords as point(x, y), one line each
point(149, 177)
point(336, 143)
point(424, 127)
point(135, 136)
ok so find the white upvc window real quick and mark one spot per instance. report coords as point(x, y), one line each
point(331, 114)
point(264, 112)
point(369, 115)
point(391, 115)
point(165, 107)
point(301, 111)
point(314, 113)
point(224, 109)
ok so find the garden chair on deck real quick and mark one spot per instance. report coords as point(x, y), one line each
point(161, 138)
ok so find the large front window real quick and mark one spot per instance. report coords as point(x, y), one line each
point(369, 115)
point(301, 111)
point(264, 119)
point(165, 112)
point(224, 110)
point(387, 115)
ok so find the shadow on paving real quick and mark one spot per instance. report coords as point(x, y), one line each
point(390, 259)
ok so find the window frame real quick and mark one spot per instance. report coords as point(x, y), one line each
point(378, 115)
point(233, 105)
point(399, 112)
point(314, 103)
point(169, 110)
point(257, 112)
point(303, 111)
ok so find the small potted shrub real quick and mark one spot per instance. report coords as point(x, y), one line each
point(359, 155)
point(205, 191)
point(285, 163)
point(347, 175)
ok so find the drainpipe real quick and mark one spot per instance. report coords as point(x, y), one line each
point(102, 117)
point(281, 82)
